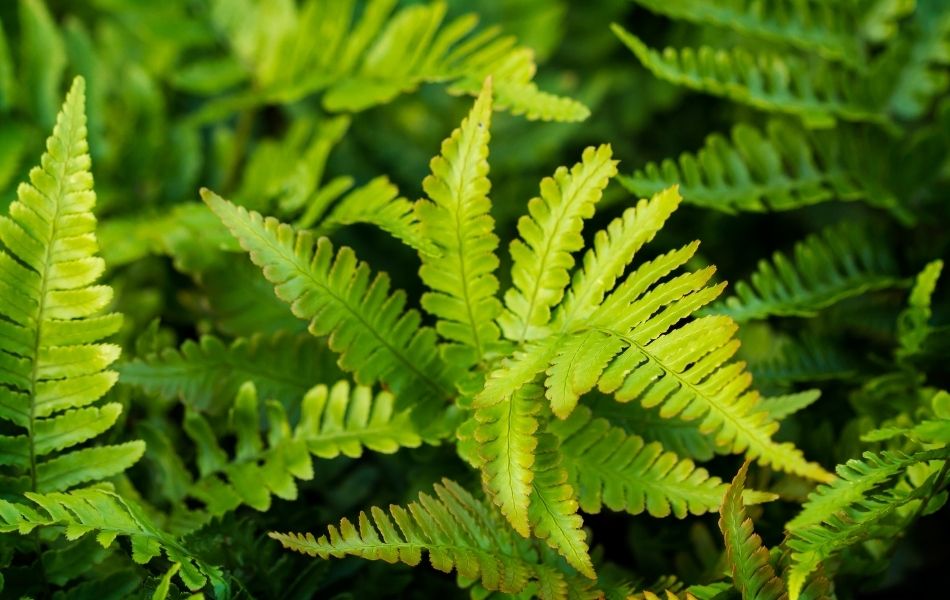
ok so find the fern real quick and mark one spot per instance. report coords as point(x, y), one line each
point(805, 359)
point(367, 325)
point(819, 93)
point(748, 559)
point(333, 422)
point(367, 61)
point(83, 511)
point(812, 25)
point(206, 374)
point(456, 530)
point(780, 168)
point(52, 370)
point(610, 467)
point(456, 217)
point(913, 325)
point(782, 406)
point(826, 268)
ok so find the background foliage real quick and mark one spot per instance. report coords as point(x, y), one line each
point(811, 145)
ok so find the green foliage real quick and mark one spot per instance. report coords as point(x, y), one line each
point(566, 352)
point(52, 369)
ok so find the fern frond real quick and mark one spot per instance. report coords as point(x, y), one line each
point(52, 366)
point(105, 512)
point(456, 217)
point(613, 249)
point(456, 531)
point(370, 60)
point(748, 559)
point(378, 340)
point(379, 203)
point(812, 25)
point(780, 168)
point(206, 374)
point(507, 443)
point(609, 467)
point(838, 263)
point(337, 421)
point(818, 93)
point(913, 324)
point(915, 66)
point(857, 478)
point(549, 234)
point(686, 371)
point(553, 509)
point(866, 517)
point(780, 407)
point(806, 359)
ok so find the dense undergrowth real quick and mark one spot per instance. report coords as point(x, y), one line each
point(407, 299)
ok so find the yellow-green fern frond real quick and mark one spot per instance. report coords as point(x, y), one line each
point(456, 217)
point(609, 467)
point(456, 531)
point(53, 367)
point(549, 235)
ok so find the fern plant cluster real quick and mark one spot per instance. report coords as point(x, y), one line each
point(297, 302)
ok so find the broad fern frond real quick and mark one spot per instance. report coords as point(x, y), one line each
point(207, 373)
point(913, 324)
point(456, 217)
point(609, 467)
point(838, 263)
point(780, 168)
point(105, 512)
point(805, 359)
point(553, 510)
point(335, 421)
point(52, 368)
point(456, 530)
point(812, 25)
point(378, 340)
point(549, 234)
point(818, 93)
point(370, 60)
point(748, 559)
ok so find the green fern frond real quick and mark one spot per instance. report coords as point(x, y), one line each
point(337, 421)
point(838, 263)
point(748, 559)
point(206, 374)
point(105, 512)
point(456, 217)
point(378, 203)
point(915, 66)
point(549, 234)
point(818, 93)
point(378, 340)
point(805, 359)
point(866, 517)
point(857, 479)
point(370, 60)
point(609, 467)
point(779, 168)
point(812, 25)
point(553, 509)
point(507, 442)
point(782, 406)
point(913, 324)
point(52, 366)
point(453, 528)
